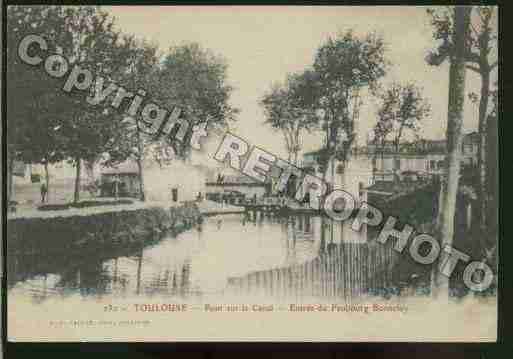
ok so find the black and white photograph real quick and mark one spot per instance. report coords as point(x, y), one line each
point(251, 173)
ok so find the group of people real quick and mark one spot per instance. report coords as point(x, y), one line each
point(220, 178)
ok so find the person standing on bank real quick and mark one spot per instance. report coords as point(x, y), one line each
point(44, 192)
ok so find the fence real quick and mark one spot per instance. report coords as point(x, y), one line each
point(344, 270)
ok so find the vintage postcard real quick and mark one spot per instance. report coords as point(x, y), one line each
point(251, 173)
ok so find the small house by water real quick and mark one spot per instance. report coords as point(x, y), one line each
point(123, 179)
point(235, 189)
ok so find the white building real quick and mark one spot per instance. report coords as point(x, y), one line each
point(353, 177)
point(425, 157)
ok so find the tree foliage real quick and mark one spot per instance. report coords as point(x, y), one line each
point(328, 96)
point(291, 108)
point(481, 36)
point(346, 65)
point(402, 109)
point(52, 124)
point(481, 57)
point(195, 80)
point(34, 106)
point(96, 46)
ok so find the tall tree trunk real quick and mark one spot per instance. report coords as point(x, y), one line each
point(142, 196)
point(397, 158)
point(139, 159)
point(457, 75)
point(47, 180)
point(492, 188)
point(296, 146)
point(481, 155)
point(10, 177)
point(439, 215)
point(76, 196)
point(288, 145)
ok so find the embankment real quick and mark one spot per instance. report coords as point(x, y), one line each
point(97, 229)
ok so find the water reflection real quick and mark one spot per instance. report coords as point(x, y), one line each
point(195, 263)
point(343, 267)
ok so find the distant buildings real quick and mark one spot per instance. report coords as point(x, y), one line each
point(384, 170)
point(59, 172)
point(19, 169)
point(424, 156)
point(235, 188)
point(353, 176)
point(410, 161)
point(470, 146)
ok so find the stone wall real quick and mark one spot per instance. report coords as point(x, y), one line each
point(102, 230)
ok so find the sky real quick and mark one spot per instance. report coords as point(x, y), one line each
point(262, 44)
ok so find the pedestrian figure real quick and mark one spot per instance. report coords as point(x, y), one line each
point(44, 191)
point(219, 221)
point(116, 186)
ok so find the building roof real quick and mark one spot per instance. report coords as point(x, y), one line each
point(128, 167)
point(421, 147)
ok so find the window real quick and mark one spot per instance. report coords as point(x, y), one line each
point(432, 164)
point(397, 163)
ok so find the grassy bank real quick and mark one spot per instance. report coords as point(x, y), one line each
point(98, 228)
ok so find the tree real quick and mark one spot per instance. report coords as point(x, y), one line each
point(381, 131)
point(291, 109)
point(457, 75)
point(402, 109)
point(195, 80)
point(143, 73)
point(482, 47)
point(42, 141)
point(187, 78)
point(93, 44)
point(33, 125)
point(492, 184)
point(346, 65)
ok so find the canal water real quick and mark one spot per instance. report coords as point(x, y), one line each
point(198, 262)
point(225, 254)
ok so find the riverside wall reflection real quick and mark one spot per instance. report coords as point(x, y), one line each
point(300, 255)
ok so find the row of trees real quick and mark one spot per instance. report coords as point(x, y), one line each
point(328, 98)
point(47, 125)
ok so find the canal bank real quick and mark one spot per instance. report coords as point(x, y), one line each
point(94, 228)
